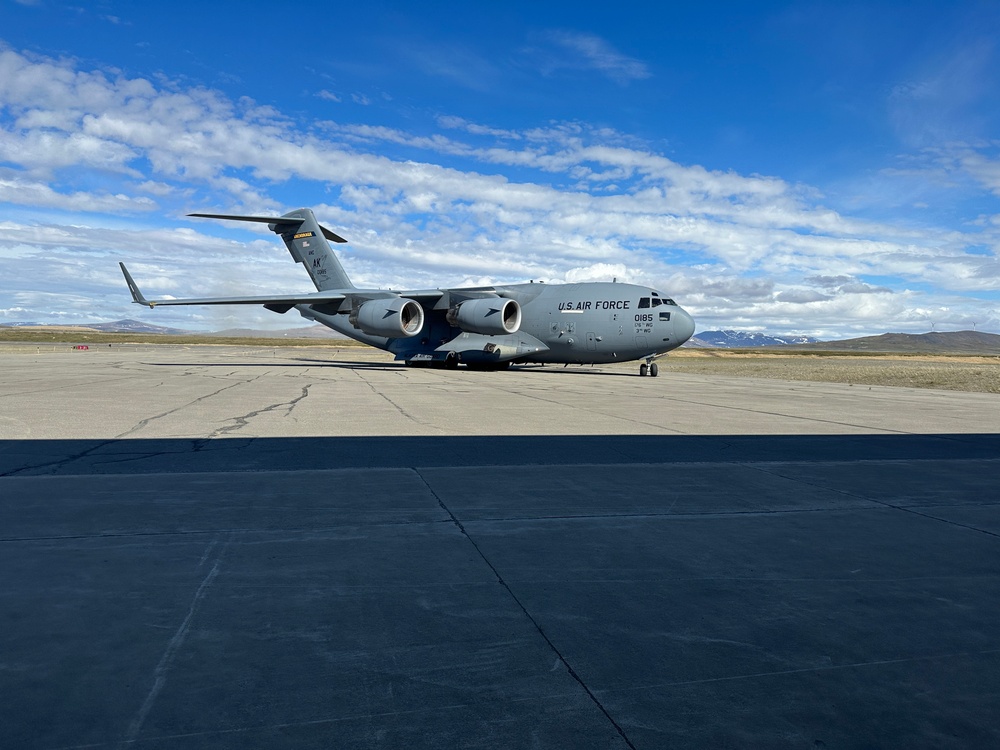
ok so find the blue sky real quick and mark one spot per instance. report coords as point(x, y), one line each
point(822, 168)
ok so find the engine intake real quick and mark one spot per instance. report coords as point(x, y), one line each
point(490, 316)
point(394, 318)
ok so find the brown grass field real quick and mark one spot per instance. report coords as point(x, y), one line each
point(956, 372)
point(980, 374)
point(74, 335)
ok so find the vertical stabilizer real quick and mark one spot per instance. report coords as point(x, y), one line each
point(306, 242)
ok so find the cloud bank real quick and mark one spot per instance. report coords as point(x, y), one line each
point(96, 166)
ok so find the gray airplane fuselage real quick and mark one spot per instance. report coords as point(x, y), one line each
point(586, 323)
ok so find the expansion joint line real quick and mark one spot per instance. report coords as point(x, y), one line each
point(559, 655)
point(883, 503)
point(175, 643)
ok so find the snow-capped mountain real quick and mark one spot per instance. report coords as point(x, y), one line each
point(741, 339)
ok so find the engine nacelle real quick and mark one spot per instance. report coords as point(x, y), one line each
point(394, 317)
point(490, 316)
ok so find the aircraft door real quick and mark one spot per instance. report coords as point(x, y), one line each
point(591, 341)
point(640, 343)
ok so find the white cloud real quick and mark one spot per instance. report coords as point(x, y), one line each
point(982, 164)
point(156, 188)
point(44, 151)
point(590, 203)
point(19, 191)
point(452, 122)
point(582, 51)
point(800, 296)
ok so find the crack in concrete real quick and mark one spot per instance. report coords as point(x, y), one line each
point(67, 460)
point(394, 405)
point(58, 461)
point(244, 420)
point(88, 383)
point(144, 422)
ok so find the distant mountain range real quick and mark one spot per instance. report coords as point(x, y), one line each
point(947, 342)
point(115, 326)
point(951, 342)
point(741, 339)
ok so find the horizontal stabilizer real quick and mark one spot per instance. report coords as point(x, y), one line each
point(262, 219)
point(330, 235)
point(282, 223)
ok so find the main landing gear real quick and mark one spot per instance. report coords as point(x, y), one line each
point(650, 368)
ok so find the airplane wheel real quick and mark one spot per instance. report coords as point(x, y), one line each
point(451, 361)
point(642, 370)
point(654, 370)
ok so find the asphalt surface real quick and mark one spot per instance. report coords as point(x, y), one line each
point(219, 547)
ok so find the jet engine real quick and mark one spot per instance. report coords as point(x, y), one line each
point(394, 317)
point(490, 316)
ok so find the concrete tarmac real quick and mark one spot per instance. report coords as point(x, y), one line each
point(222, 547)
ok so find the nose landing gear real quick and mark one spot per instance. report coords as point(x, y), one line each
point(649, 367)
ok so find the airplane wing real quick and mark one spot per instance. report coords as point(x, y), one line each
point(426, 297)
point(286, 300)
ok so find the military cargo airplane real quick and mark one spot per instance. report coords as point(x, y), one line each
point(486, 327)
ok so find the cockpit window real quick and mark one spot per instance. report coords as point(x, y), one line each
point(658, 300)
point(643, 302)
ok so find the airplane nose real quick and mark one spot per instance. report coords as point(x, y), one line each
point(683, 326)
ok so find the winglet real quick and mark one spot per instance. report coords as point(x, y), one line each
point(136, 294)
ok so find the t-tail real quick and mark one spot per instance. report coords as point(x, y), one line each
point(307, 243)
